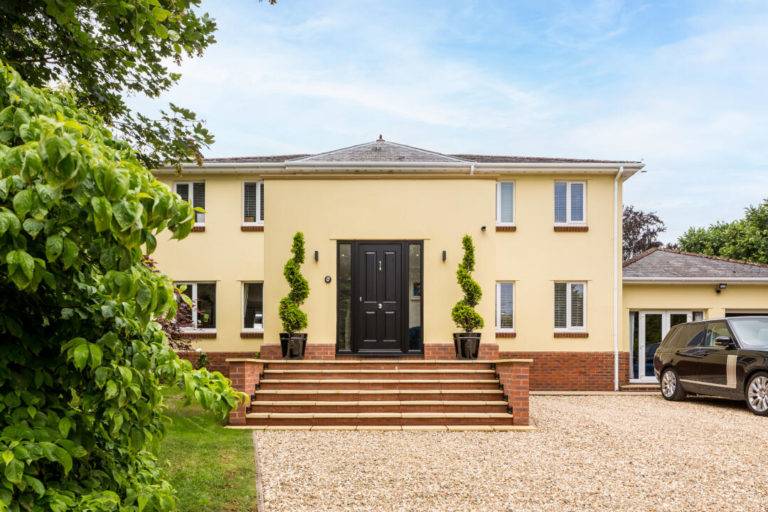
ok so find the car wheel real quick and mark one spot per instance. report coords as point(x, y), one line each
point(670, 385)
point(757, 394)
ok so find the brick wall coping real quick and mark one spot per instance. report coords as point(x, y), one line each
point(517, 361)
point(244, 360)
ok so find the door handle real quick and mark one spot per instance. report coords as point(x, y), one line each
point(380, 306)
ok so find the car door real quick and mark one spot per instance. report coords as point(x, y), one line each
point(717, 366)
point(690, 351)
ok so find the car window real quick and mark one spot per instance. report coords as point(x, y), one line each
point(714, 330)
point(696, 335)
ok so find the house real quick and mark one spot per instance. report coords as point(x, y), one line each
point(548, 242)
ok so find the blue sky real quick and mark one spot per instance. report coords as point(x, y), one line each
point(682, 85)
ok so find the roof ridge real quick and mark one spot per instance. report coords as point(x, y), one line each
point(639, 256)
point(413, 148)
point(711, 257)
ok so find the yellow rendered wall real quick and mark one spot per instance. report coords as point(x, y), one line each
point(436, 210)
point(691, 297)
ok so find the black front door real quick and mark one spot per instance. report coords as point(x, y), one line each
point(377, 298)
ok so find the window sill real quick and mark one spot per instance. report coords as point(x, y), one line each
point(252, 334)
point(571, 334)
point(198, 229)
point(503, 227)
point(571, 229)
point(199, 334)
point(506, 334)
point(252, 227)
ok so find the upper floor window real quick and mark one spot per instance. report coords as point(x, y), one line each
point(570, 202)
point(505, 203)
point(570, 306)
point(253, 306)
point(505, 310)
point(253, 202)
point(194, 192)
point(203, 297)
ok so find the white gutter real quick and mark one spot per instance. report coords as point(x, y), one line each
point(695, 280)
point(617, 269)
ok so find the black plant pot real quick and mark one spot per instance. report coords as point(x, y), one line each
point(467, 344)
point(293, 345)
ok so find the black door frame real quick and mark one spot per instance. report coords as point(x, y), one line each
point(405, 302)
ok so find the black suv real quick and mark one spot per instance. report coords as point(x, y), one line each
point(725, 357)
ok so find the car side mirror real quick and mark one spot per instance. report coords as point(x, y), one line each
point(724, 341)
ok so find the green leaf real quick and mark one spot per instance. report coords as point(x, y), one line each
point(53, 247)
point(7, 456)
point(95, 355)
point(69, 253)
point(24, 202)
point(33, 227)
point(111, 391)
point(65, 424)
point(35, 484)
point(14, 471)
point(127, 214)
point(102, 213)
point(81, 356)
point(9, 222)
point(21, 267)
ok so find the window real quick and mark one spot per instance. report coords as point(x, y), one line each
point(505, 310)
point(570, 202)
point(715, 330)
point(253, 306)
point(505, 203)
point(570, 306)
point(194, 192)
point(203, 296)
point(253, 202)
point(696, 335)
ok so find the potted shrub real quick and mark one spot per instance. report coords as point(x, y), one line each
point(467, 343)
point(293, 342)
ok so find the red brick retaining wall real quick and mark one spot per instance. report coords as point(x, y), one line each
point(448, 351)
point(573, 371)
point(515, 379)
point(216, 360)
point(245, 375)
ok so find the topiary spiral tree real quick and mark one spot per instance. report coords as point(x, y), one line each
point(463, 313)
point(293, 318)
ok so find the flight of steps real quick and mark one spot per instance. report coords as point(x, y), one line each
point(384, 393)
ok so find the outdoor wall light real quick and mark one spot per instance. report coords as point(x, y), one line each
point(720, 287)
point(482, 228)
point(317, 256)
point(445, 255)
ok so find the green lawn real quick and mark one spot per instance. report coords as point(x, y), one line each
point(212, 468)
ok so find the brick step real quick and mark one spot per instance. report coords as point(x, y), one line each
point(265, 406)
point(379, 364)
point(355, 395)
point(378, 418)
point(394, 374)
point(268, 383)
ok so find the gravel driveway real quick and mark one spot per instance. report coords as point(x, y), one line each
point(635, 453)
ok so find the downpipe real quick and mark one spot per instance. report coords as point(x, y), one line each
point(616, 276)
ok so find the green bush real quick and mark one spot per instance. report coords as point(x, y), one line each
point(463, 312)
point(293, 318)
point(82, 360)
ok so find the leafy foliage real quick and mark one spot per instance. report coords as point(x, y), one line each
point(82, 360)
point(743, 239)
point(641, 231)
point(293, 318)
point(463, 312)
point(104, 49)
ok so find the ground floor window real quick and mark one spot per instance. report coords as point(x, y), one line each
point(253, 306)
point(570, 306)
point(203, 298)
point(505, 318)
point(646, 331)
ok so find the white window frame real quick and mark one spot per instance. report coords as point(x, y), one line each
point(191, 197)
point(242, 307)
point(259, 187)
point(498, 307)
point(568, 312)
point(192, 287)
point(498, 203)
point(568, 220)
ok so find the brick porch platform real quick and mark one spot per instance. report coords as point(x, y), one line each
point(407, 392)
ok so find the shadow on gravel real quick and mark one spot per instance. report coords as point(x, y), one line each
point(723, 403)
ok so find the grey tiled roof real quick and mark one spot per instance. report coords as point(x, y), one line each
point(668, 264)
point(380, 151)
point(385, 151)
